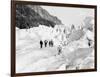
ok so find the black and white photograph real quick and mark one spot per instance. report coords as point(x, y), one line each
point(54, 38)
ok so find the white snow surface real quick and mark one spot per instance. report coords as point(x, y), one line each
point(76, 54)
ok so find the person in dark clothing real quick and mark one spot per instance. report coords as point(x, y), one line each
point(41, 43)
point(51, 43)
point(59, 49)
point(45, 42)
point(89, 42)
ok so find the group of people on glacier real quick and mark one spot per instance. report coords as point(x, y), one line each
point(73, 36)
point(46, 43)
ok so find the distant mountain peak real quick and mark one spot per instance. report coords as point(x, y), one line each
point(28, 16)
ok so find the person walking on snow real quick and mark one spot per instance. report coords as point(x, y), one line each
point(59, 48)
point(41, 43)
point(45, 42)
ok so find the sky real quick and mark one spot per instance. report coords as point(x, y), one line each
point(70, 15)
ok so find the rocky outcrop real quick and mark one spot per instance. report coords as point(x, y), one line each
point(28, 16)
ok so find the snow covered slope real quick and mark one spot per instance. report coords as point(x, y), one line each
point(76, 54)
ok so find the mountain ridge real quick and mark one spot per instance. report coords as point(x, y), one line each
point(28, 16)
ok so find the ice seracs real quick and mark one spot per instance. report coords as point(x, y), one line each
point(73, 49)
